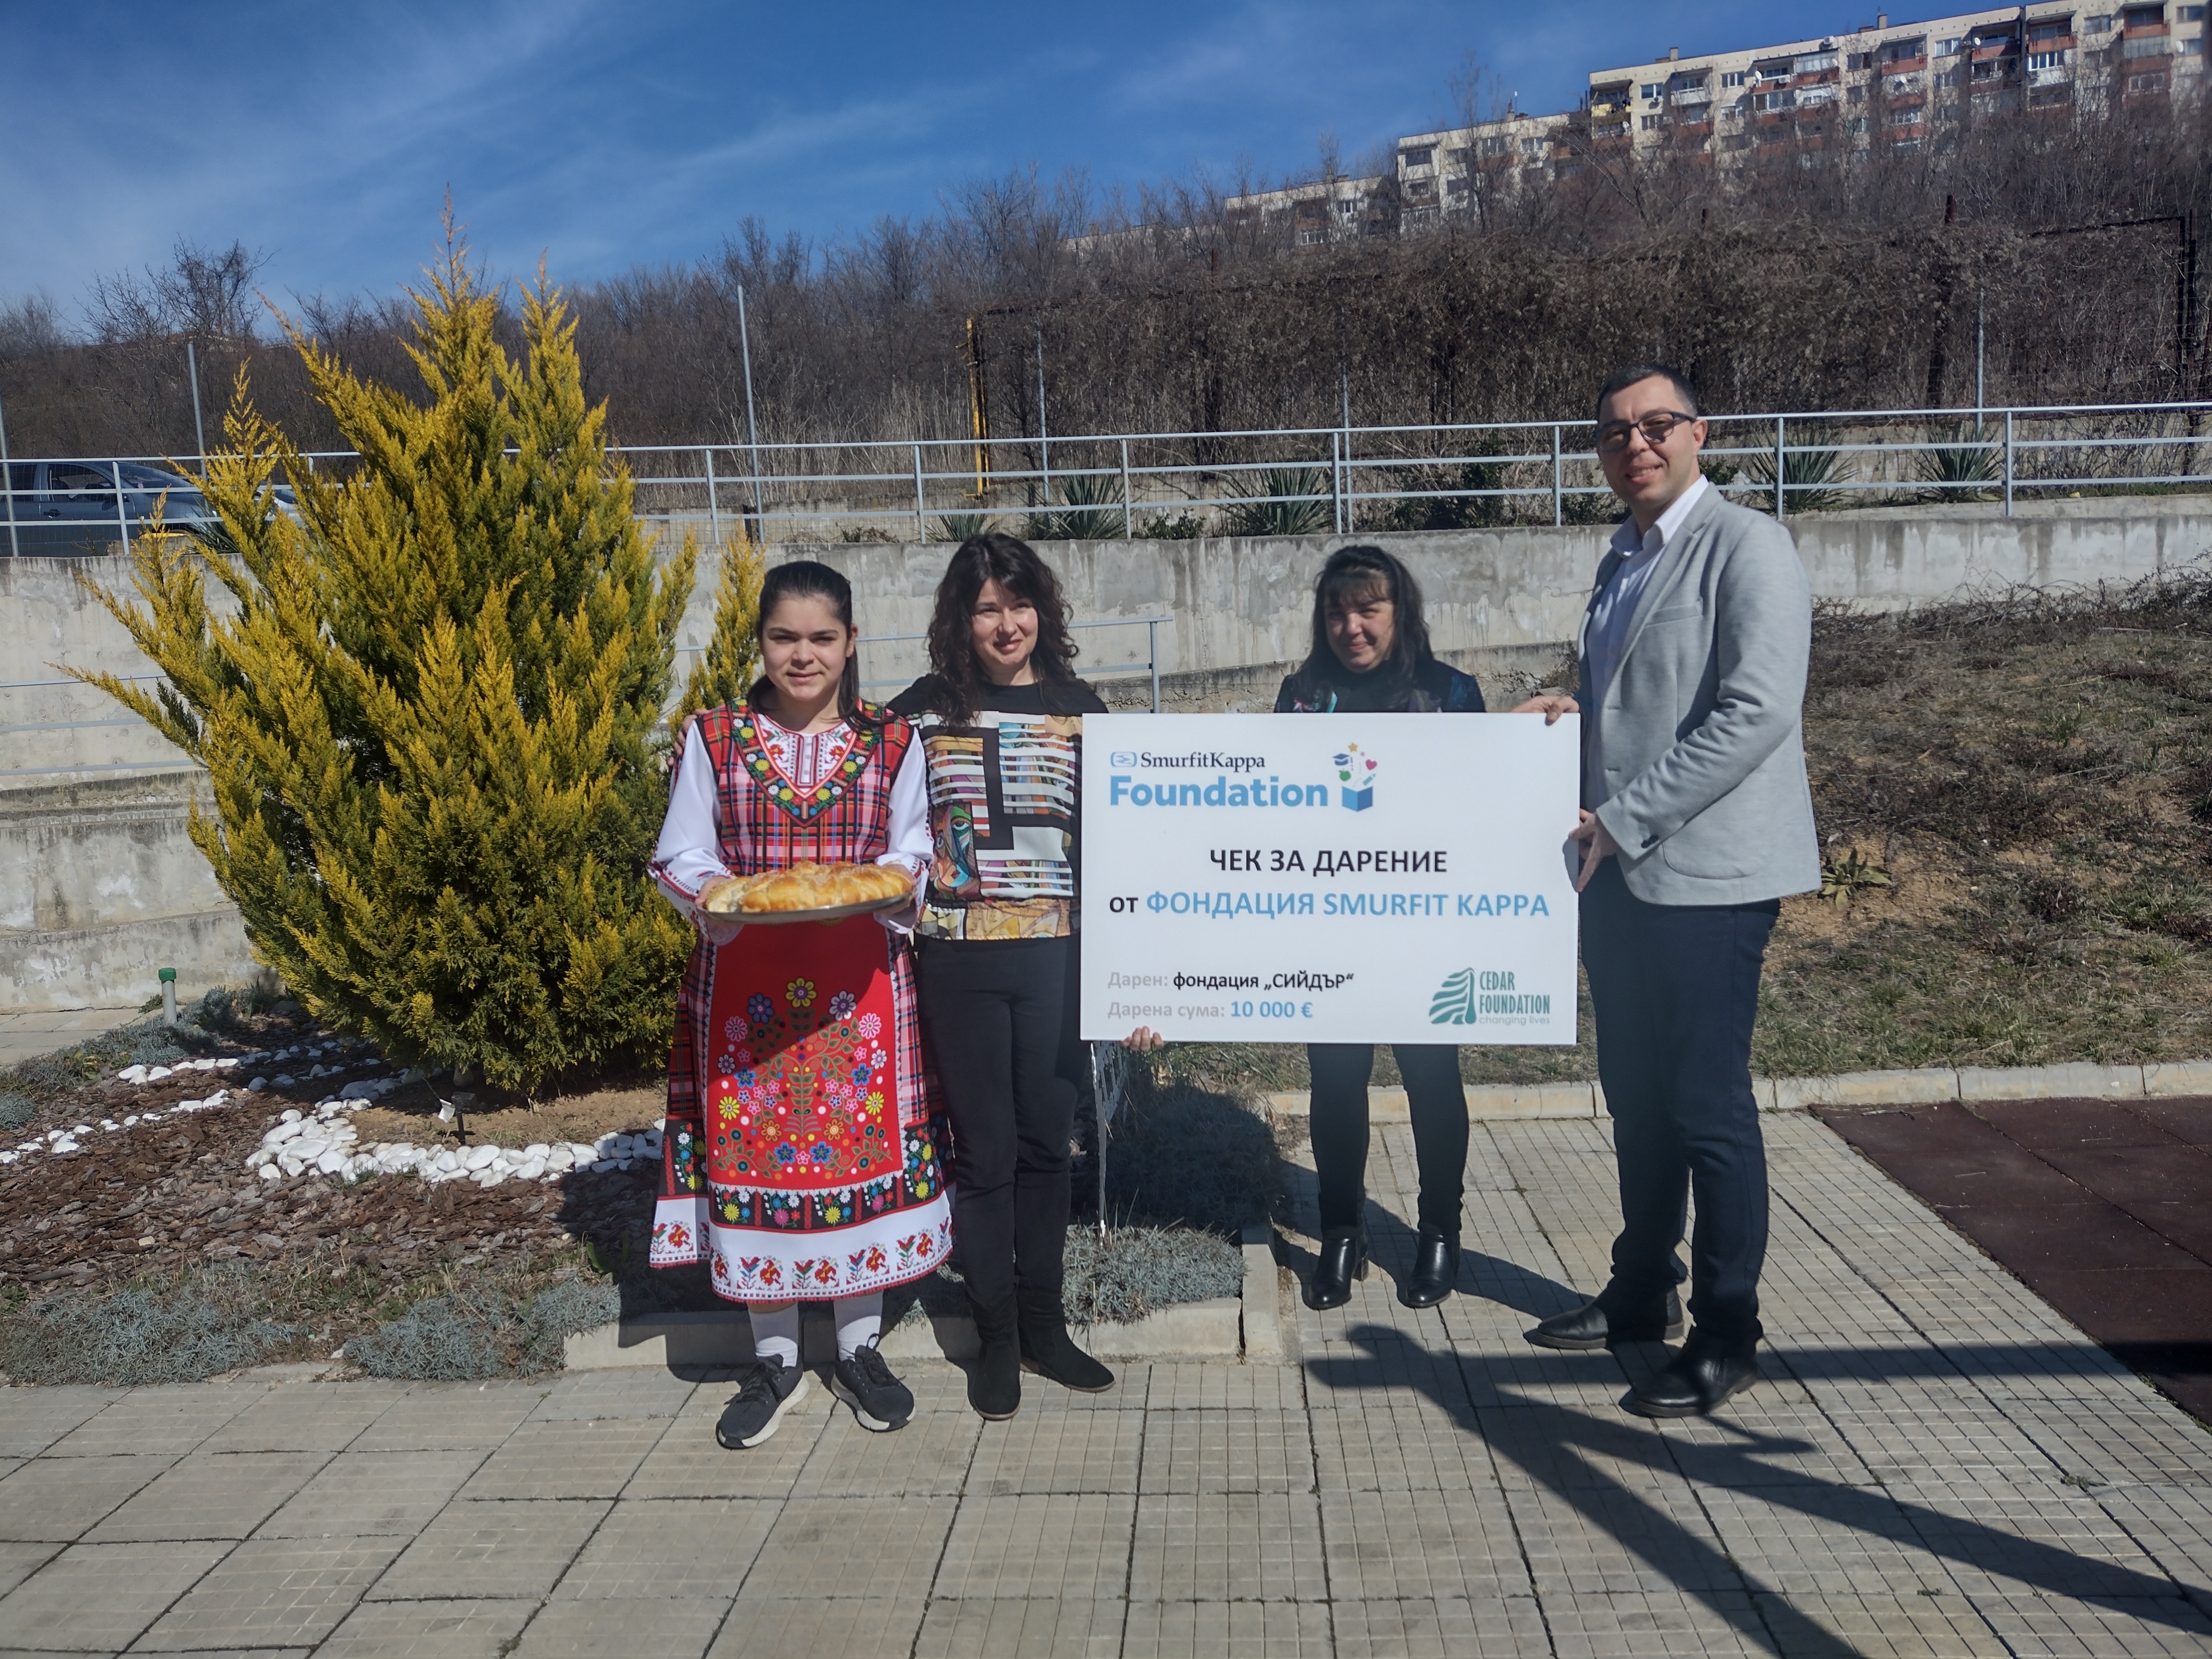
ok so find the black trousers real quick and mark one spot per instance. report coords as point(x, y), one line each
point(991, 1010)
point(1437, 1101)
point(1675, 989)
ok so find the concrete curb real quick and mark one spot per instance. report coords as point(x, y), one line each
point(1220, 1328)
point(1922, 1086)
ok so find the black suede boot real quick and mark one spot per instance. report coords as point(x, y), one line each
point(1047, 1349)
point(994, 1380)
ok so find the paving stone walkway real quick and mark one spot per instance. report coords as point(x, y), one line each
point(1939, 1465)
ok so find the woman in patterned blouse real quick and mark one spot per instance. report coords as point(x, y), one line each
point(1000, 722)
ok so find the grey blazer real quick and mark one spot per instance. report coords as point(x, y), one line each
point(1701, 736)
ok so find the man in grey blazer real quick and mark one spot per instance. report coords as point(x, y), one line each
point(1697, 820)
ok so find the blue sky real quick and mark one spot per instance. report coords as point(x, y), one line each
point(608, 136)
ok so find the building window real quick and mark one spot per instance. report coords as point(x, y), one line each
point(1949, 77)
point(1857, 124)
point(1772, 99)
point(1814, 62)
point(1532, 146)
point(2144, 17)
point(1734, 78)
point(1950, 48)
point(2147, 83)
point(1895, 51)
point(2192, 13)
point(2191, 48)
point(1773, 134)
point(1902, 117)
point(1857, 94)
point(2097, 23)
point(1493, 146)
point(2040, 96)
point(2147, 45)
point(1417, 158)
point(1651, 123)
point(2049, 60)
point(1859, 60)
point(1650, 89)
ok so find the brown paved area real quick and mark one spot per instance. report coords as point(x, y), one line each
point(1940, 1464)
point(2104, 1206)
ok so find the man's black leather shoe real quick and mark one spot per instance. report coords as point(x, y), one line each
point(1436, 1271)
point(1343, 1259)
point(1594, 1325)
point(1703, 1373)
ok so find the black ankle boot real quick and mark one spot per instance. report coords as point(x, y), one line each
point(1048, 1350)
point(1436, 1270)
point(994, 1380)
point(1343, 1259)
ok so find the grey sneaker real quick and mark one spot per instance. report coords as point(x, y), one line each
point(770, 1389)
point(880, 1401)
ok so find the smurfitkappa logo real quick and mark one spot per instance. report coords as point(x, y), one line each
point(1237, 781)
point(1355, 773)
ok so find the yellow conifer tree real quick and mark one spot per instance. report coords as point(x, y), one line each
point(432, 719)
point(726, 669)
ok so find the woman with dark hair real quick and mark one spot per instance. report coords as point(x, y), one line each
point(1000, 719)
point(801, 1156)
point(1370, 655)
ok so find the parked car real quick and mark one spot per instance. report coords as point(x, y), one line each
point(79, 509)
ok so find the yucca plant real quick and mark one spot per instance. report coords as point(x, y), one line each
point(1296, 503)
point(959, 527)
point(433, 721)
point(1810, 478)
point(1964, 468)
point(1090, 510)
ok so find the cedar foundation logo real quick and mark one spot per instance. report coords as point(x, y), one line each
point(1488, 997)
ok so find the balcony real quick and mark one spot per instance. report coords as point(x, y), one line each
point(1904, 65)
point(2145, 31)
point(1692, 97)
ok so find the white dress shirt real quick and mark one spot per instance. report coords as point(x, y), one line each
point(1608, 623)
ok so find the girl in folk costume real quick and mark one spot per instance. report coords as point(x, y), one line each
point(800, 1159)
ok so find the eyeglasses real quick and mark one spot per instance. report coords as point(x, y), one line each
point(1613, 437)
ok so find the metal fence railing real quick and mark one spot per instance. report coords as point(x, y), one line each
point(1291, 481)
point(1148, 665)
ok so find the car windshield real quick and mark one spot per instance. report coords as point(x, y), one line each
point(153, 477)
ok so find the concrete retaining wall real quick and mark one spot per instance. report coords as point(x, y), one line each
point(101, 885)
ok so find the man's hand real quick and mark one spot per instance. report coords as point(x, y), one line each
point(1551, 708)
point(1144, 1039)
point(1598, 845)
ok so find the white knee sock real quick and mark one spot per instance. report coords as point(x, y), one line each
point(859, 1322)
point(775, 1333)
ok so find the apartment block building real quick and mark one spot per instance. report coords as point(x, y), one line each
point(1902, 86)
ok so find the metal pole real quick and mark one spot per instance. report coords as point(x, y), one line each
point(1128, 503)
point(1153, 632)
point(1981, 318)
point(752, 425)
point(714, 512)
point(1559, 504)
point(122, 511)
point(199, 432)
point(2008, 464)
point(1336, 482)
point(1781, 503)
point(920, 523)
point(8, 488)
point(1044, 430)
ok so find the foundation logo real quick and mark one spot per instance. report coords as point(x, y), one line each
point(1355, 775)
point(1468, 997)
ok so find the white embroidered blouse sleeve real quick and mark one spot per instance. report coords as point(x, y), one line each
point(911, 846)
point(688, 852)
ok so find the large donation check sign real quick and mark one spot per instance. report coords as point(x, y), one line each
point(1328, 878)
